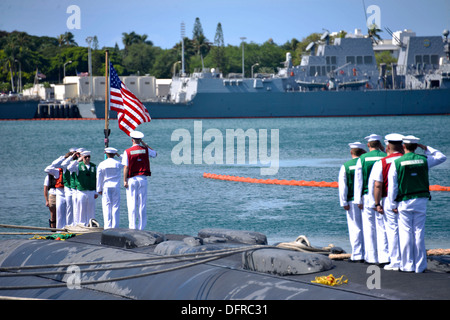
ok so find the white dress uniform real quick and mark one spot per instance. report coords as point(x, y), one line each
point(61, 212)
point(108, 184)
point(68, 194)
point(412, 215)
point(389, 228)
point(137, 191)
point(85, 199)
point(71, 194)
point(354, 221)
point(368, 213)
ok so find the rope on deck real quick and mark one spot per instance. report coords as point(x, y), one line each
point(203, 257)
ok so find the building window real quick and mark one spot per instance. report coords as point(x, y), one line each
point(427, 59)
point(331, 60)
point(350, 59)
point(418, 59)
point(435, 59)
point(368, 60)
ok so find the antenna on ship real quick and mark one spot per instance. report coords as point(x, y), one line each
point(183, 29)
point(397, 39)
point(365, 11)
point(89, 41)
point(311, 47)
point(325, 36)
point(445, 33)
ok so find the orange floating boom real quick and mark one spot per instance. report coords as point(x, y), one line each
point(292, 182)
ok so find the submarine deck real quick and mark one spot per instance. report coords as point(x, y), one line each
point(365, 282)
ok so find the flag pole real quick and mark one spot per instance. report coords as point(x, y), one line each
point(107, 130)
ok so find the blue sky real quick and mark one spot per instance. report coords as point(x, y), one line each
point(257, 20)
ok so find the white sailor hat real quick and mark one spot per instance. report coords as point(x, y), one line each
point(86, 153)
point(356, 145)
point(136, 134)
point(373, 137)
point(72, 149)
point(394, 137)
point(410, 139)
point(80, 150)
point(110, 150)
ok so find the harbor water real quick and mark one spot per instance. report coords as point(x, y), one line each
point(182, 201)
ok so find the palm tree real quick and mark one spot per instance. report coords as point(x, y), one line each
point(130, 38)
point(66, 39)
point(70, 41)
point(11, 50)
point(373, 33)
point(202, 45)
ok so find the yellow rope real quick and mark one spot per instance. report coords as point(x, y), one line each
point(330, 280)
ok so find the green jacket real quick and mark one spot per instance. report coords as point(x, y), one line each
point(350, 175)
point(86, 179)
point(412, 177)
point(367, 161)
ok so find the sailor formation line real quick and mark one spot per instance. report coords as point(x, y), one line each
point(302, 183)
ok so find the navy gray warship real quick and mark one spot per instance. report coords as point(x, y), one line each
point(339, 79)
point(336, 79)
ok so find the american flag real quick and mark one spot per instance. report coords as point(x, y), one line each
point(131, 112)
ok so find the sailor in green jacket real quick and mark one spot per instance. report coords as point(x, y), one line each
point(86, 173)
point(365, 200)
point(408, 194)
point(346, 184)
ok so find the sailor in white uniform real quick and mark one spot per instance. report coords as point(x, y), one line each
point(64, 201)
point(408, 194)
point(346, 194)
point(86, 176)
point(108, 186)
point(68, 181)
point(379, 183)
point(70, 188)
point(365, 200)
point(136, 169)
point(56, 171)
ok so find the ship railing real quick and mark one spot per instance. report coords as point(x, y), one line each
point(7, 98)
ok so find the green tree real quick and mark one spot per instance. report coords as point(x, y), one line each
point(165, 64)
point(373, 33)
point(385, 57)
point(218, 50)
point(201, 44)
point(66, 39)
point(197, 31)
point(140, 58)
point(132, 38)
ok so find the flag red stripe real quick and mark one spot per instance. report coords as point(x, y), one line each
point(131, 111)
point(135, 112)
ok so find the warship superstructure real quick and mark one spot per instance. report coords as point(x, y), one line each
point(339, 77)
